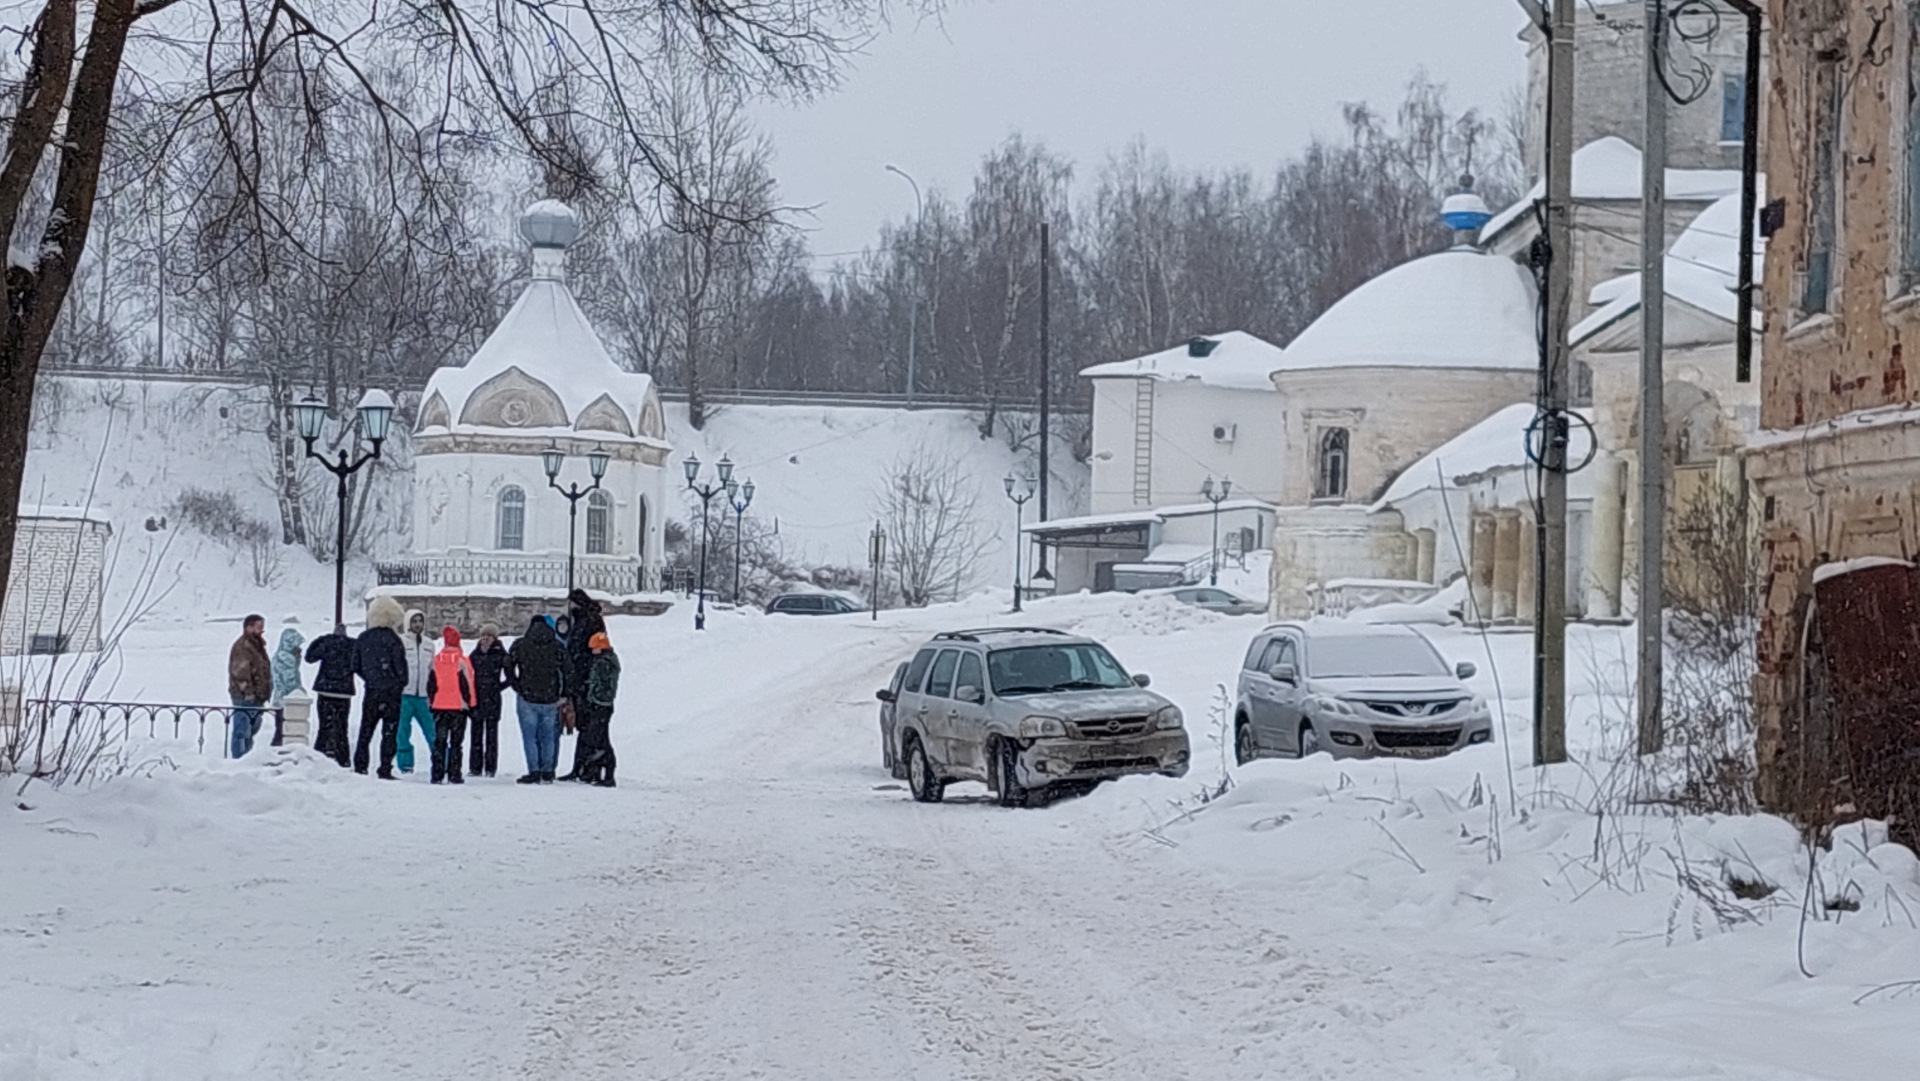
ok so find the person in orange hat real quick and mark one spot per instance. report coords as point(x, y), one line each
point(450, 694)
point(596, 713)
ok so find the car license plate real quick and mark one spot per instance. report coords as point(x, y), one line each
point(1422, 752)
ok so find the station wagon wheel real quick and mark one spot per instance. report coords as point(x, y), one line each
point(1012, 793)
point(920, 779)
point(1243, 749)
point(1309, 741)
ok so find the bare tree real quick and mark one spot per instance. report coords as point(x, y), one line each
point(477, 69)
point(929, 508)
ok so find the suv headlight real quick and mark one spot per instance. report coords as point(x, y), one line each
point(1169, 717)
point(1042, 727)
point(1478, 706)
point(1322, 703)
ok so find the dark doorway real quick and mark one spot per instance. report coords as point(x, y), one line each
point(1864, 669)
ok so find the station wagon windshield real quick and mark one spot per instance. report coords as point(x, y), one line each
point(1366, 655)
point(1044, 669)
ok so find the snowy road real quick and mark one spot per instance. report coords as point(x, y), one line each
point(758, 900)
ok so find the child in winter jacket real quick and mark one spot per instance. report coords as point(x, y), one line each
point(450, 691)
point(596, 712)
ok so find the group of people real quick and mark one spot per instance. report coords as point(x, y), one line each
point(563, 672)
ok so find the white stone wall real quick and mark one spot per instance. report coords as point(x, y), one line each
point(1315, 544)
point(59, 567)
point(456, 505)
point(1185, 413)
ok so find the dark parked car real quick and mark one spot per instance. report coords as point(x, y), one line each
point(812, 604)
point(888, 756)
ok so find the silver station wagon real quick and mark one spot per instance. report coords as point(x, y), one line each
point(1355, 690)
point(1026, 711)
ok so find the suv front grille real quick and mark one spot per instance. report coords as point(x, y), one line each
point(1414, 709)
point(1395, 739)
point(1110, 728)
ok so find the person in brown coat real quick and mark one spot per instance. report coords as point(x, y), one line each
point(249, 682)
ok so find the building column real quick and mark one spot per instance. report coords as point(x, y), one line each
point(1527, 588)
point(1480, 566)
point(1506, 563)
point(1423, 554)
point(1606, 548)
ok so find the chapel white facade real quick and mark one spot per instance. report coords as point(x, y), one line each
point(484, 513)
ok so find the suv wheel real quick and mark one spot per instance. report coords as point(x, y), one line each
point(1309, 741)
point(1007, 756)
point(920, 779)
point(1243, 749)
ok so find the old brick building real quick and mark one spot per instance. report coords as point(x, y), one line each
point(1836, 466)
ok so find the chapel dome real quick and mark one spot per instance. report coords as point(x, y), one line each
point(1454, 309)
point(550, 223)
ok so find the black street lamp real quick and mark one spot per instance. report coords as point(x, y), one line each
point(706, 492)
point(877, 557)
point(1215, 497)
point(552, 458)
point(740, 497)
point(1019, 491)
point(310, 416)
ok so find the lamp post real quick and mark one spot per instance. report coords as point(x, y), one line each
point(1215, 497)
point(913, 309)
point(877, 557)
point(740, 497)
point(706, 492)
point(553, 457)
point(310, 415)
point(1019, 490)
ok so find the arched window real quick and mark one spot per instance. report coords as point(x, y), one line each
point(599, 523)
point(511, 536)
point(640, 538)
point(1331, 481)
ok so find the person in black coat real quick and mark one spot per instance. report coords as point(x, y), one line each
point(333, 692)
point(584, 620)
point(537, 670)
point(381, 663)
point(489, 660)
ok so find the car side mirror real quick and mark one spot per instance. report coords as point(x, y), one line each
point(970, 693)
point(1284, 673)
point(884, 695)
point(1141, 679)
point(1464, 670)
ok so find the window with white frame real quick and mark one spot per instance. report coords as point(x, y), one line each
point(599, 523)
point(510, 533)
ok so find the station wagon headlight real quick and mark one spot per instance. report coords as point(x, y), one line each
point(1322, 703)
point(1169, 717)
point(1042, 727)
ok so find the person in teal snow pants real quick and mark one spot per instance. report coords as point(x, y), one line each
point(420, 649)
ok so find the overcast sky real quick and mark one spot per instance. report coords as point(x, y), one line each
point(1214, 83)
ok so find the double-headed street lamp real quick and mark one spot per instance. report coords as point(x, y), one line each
point(739, 497)
point(310, 416)
point(1019, 490)
point(1215, 497)
point(913, 308)
point(553, 457)
point(706, 492)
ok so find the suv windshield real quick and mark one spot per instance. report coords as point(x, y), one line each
point(1369, 655)
point(1039, 669)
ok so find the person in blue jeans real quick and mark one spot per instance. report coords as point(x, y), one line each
point(537, 672)
point(420, 649)
point(249, 682)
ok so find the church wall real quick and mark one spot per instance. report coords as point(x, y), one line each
point(456, 504)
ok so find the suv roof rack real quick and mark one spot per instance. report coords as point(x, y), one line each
point(974, 634)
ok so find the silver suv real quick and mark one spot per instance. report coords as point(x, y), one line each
point(1026, 710)
point(1355, 690)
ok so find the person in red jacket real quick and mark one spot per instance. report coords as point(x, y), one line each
point(450, 694)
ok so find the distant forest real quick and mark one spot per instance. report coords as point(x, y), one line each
point(707, 282)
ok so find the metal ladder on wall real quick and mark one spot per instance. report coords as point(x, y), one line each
point(1142, 442)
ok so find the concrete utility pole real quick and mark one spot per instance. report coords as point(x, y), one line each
point(1653, 420)
point(1046, 383)
point(1550, 679)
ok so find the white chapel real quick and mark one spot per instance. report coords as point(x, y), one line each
point(484, 512)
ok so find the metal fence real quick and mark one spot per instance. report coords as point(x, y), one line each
point(48, 732)
point(619, 577)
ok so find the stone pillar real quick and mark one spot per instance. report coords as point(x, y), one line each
point(1480, 567)
point(1506, 563)
point(295, 710)
point(1527, 588)
point(1423, 555)
point(1606, 548)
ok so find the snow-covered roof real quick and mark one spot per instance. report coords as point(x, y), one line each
point(1702, 270)
point(1498, 442)
point(1239, 361)
point(1609, 168)
point(547, 340)
point(1156, 516)
point(1461, 308)
point(64, 513)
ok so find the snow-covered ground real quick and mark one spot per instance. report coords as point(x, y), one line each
point(758, 899)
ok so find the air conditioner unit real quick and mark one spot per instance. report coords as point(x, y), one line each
point(1225, 433)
